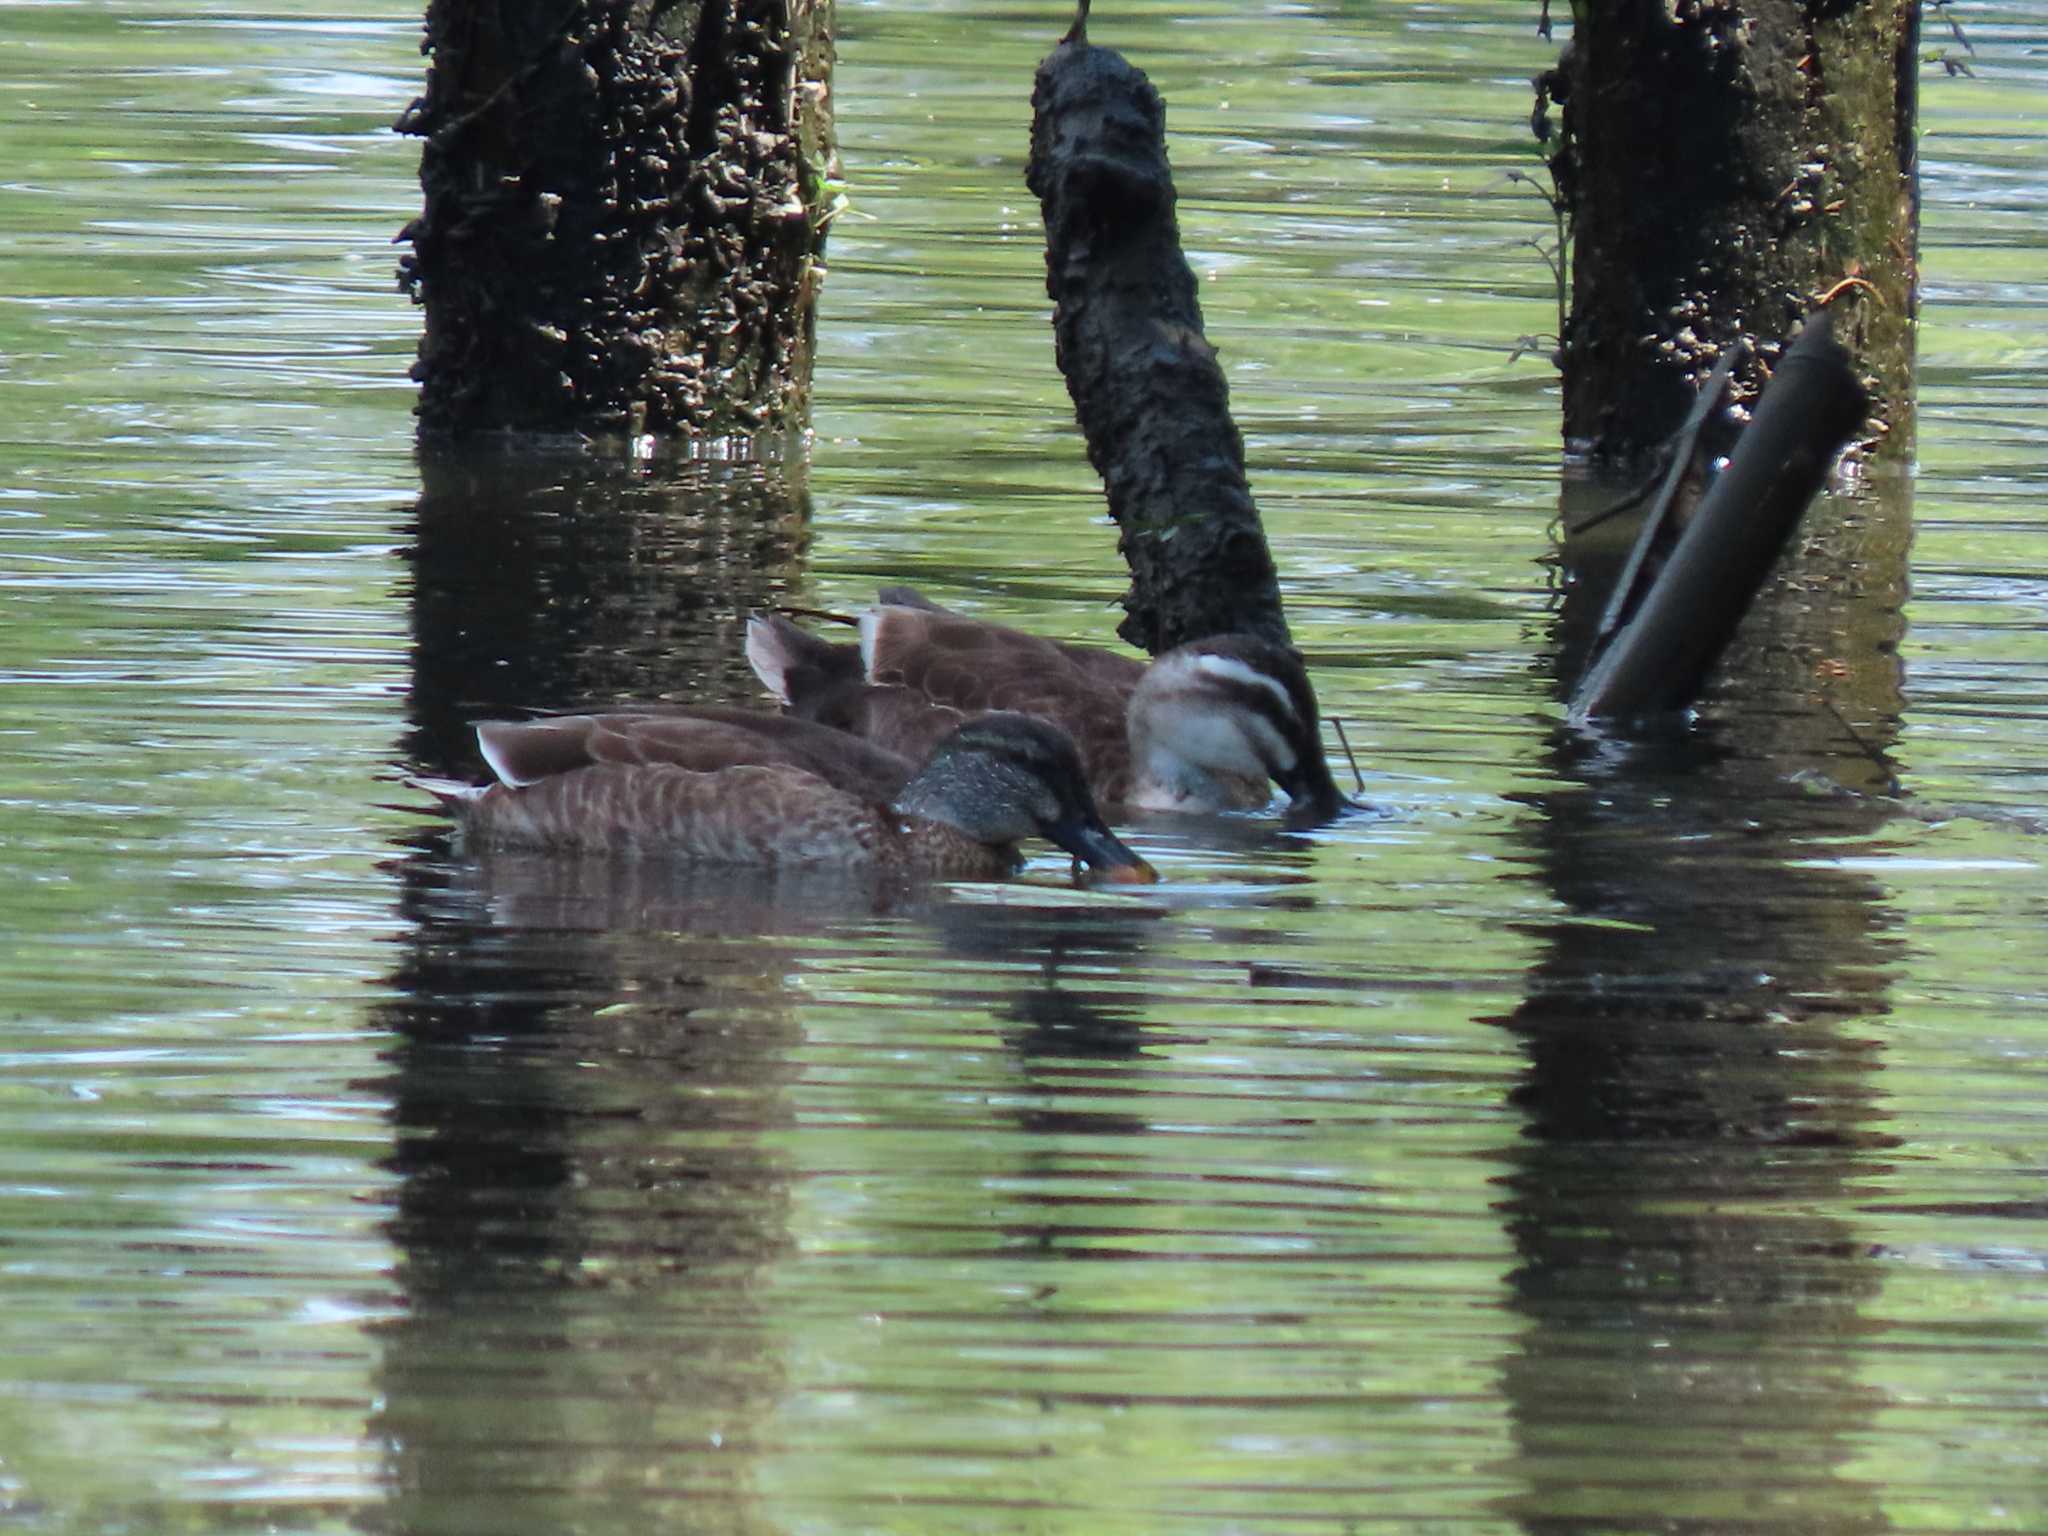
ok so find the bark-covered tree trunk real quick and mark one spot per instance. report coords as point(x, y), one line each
point(625, 213)
point(1724, 164)
point(1147, 389)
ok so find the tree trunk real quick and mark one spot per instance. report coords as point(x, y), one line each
point(625, 214)
point(1723, 165)
point(1150, 397)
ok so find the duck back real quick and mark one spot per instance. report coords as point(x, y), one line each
point(763, 816)
point(974, 667)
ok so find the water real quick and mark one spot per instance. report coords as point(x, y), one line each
point(1604, 1139)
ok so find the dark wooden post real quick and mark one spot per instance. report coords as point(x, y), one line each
point(625, 214)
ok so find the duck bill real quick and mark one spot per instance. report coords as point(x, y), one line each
point(1314, 794)
point(1103, 852)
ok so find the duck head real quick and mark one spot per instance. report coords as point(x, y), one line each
point(1003, 777)
point(1214, 720)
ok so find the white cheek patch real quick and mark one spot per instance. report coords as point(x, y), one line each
point(1230, 669)
point(1218, 741)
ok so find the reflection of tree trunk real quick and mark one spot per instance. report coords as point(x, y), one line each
point(1721, 166)
point(586, 1202)
point(1699, 1099)
point(1700, 1104)
point(625, 211)
point(585, 1215)
point(574, 582)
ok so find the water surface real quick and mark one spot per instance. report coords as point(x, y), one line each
point(1602, 1139)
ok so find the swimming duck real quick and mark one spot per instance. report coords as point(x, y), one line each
point(725, 786)
point(1204, 727)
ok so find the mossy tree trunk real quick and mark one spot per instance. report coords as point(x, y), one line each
point(1723, 165)
point(625, 214)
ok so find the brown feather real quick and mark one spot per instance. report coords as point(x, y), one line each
point(704, 739)
point(972, 666)
point(768, 817)
point(725, 787)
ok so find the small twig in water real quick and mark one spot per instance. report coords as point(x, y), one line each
point(1891, 777)
point(1683, 447)
point(822, 615)
point(1628, 503)
point(1357, 778)
point(1953, 25)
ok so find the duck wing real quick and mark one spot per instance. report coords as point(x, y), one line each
point(897, 720)
point(971, 664)
point(920, 670)
point(702, 739)
point(975, 667)
point(761, 815)
point(796, 665)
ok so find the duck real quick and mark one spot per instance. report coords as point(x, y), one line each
point(727, 786)
point(1209, 726)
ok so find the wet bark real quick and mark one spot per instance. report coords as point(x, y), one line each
point(1722, 165)
point(625, 213)
point(1147, 389)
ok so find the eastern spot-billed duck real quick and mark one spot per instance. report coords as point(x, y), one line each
point(724, 786)
point(1204, 727)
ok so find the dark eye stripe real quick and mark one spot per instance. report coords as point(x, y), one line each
point(1278, 666)
point(1253, 699)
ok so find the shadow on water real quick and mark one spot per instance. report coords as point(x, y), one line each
point(1700, 1095)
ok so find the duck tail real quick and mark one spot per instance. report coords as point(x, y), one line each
point(455, 796)
point(907, 597)
point(794, 664)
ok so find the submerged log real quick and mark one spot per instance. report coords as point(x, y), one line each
point(625, 214)
point(1721, 166)
point(1147, 389)
point(1659, 659)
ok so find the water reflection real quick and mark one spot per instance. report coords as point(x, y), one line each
point(589, 1074)
point(1700, 1095)
point(578, 581)
point(591, 1193)
point(1073, 1003)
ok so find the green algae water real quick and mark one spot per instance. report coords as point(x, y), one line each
point(1601, 1138)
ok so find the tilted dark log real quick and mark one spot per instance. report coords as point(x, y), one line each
point(1150, 397)
point(1659, 660)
